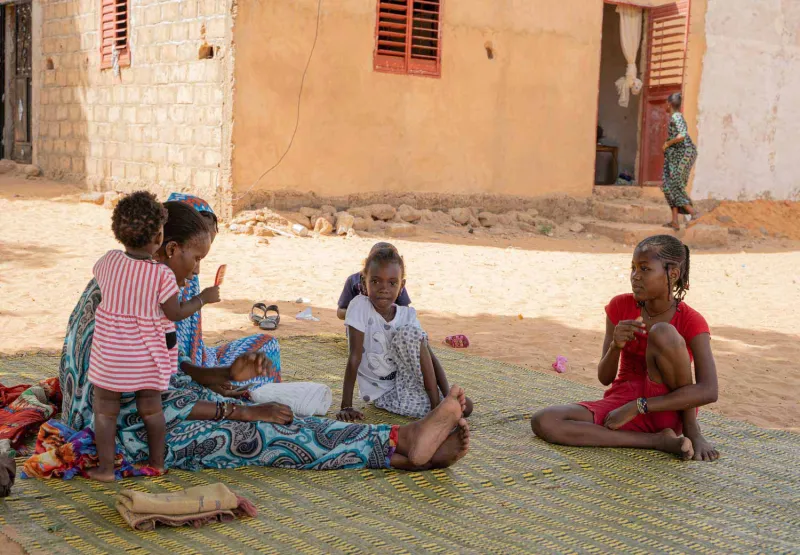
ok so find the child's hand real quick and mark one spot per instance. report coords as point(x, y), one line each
point(627, 330)
point(617, 418)
point(210, 295)
point(349, 415)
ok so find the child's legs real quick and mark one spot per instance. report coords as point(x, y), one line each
point(427, 358)
point(408, 397)
point(148, 404)
point(667, 358)
point(106, 406)
point(668, 364)
point(574, 425)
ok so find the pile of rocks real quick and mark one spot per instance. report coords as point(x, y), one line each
point(384, 219)
point(263, 223)
point(29, 171)
point(109, 199)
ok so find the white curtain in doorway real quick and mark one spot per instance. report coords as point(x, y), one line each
point(630, 31)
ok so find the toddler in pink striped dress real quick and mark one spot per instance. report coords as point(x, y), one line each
point(134, 348)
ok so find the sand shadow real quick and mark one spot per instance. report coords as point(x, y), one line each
point(29, 256)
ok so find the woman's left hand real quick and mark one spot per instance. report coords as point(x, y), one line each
point(617, 418)
point(666, 146)
point(249, 366)
point(229, 390)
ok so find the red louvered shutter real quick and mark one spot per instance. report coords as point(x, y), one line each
point(391, 36)
point(114, 32)
point(667, 44)
point(408, 37)
point(669, 32)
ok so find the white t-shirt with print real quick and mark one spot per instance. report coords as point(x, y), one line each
point(378, 334)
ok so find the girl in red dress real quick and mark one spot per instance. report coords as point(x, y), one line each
point(652, 338)
point(134, 347)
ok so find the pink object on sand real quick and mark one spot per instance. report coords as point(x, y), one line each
point(457, 341)
point(560, 365)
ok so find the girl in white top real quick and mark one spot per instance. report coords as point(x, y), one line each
point(389, 354)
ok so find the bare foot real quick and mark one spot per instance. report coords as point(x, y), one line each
point(96, 474)
point(158, 467)
point(680, 446)
point(454, 447)
point(462, 399)
point(703, 450)
point(428, 434)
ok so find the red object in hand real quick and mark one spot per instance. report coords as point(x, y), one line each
point(457, 341)
point(220, 275)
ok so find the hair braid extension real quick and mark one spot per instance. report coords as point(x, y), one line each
point(672, 253)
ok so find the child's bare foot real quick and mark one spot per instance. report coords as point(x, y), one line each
point(157, 466)
point(454, 447)
point(100, 475)
point(462, 398)
point(680, 446)
point(703, 450)
point(428, 434)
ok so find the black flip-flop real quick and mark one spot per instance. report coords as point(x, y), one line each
point(669, 225)
point(270, 322)
point(257, 318)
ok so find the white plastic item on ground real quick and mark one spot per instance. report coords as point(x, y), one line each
point(304, 398)
point(307, 315)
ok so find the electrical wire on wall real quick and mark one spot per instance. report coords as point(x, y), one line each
point(297, 118)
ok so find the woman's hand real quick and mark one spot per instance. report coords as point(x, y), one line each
point(249, 366)
point(274, 413)
point(349, 414)
point(210, 295)
point(227, 389)
point(666, 146)
point(617, 418)
point(626, 331)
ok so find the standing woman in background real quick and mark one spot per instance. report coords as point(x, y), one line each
point(680, 154)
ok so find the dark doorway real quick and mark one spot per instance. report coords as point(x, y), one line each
point(20, 89)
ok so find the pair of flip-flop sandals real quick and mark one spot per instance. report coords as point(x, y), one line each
point(265, 317)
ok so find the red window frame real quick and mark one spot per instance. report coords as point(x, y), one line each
point(114, 30)
point(408, 37)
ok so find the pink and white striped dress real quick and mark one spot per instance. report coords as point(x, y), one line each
point(129, 348)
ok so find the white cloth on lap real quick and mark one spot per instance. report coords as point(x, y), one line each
point(304, 398)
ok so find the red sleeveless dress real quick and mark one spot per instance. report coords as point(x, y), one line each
point(632, 380)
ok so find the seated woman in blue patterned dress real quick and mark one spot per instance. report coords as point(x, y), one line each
point(208, 430)
point(190, 331)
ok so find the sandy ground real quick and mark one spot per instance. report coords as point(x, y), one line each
point(479, 287)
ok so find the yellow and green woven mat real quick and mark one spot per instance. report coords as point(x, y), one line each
point(512, 493)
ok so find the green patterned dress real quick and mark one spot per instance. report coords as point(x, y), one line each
point(678, 162)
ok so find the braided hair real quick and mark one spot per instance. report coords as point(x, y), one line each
point(382, 256)
point(183, 224)
point(672, 253)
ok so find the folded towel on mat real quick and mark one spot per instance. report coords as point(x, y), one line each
point(304, 398)
point(195, 506)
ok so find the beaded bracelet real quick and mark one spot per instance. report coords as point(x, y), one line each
point(641, 405)
point(229, 408)
point(219, 412)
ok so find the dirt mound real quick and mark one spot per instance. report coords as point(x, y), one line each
point(759, 217)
